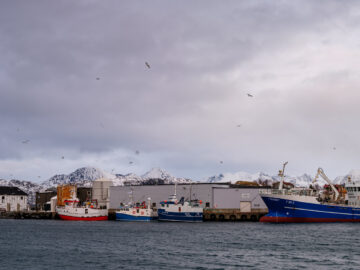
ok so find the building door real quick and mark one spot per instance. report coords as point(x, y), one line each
point(8, 207)
point(18, 207)
point(245, 206)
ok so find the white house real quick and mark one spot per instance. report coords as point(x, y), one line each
point(13, 199)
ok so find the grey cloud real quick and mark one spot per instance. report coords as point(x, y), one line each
point(185, 106)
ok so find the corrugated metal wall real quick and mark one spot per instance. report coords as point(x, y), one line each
point(120, 194)
point(231, 197)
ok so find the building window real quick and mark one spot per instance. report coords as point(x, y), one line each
point(207, 204)
point(21, 197)
point(3, 199)
point(88, 193)
point(154, 204)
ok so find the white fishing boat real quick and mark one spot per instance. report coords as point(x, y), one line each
point(87, 212)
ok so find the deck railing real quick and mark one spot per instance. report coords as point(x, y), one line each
point(299, 192)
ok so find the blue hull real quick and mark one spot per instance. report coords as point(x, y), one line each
point(283, 210)
point(179, 216)
point(125, 217)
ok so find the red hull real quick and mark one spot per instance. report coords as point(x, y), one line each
point(84, 218)
point(303, 220)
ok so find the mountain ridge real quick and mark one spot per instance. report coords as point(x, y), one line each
point(86, 175)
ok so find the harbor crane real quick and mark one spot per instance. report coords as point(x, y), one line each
point(281, 174)
point(320, 172)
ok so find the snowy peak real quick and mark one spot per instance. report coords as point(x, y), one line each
point(83, 176)
point(157, 173)
point(160, 176)
point(260, 178)
point(353, 174)
point(239, 176)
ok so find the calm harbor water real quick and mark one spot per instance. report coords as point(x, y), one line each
point(56, 244)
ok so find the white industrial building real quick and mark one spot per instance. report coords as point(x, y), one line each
point(13, 199)
point(212, 195)
point(100, 192)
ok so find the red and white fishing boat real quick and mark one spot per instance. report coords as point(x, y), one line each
point(89, 212)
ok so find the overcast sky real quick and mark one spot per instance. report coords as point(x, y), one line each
point(75, 90)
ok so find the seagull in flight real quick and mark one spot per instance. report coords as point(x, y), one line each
point(250, 95)
point(131, 162)
point(26, 141)
point(137, 152)
point(147, 64)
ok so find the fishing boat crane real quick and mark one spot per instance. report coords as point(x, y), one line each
point(281, 174)
point(320, 172)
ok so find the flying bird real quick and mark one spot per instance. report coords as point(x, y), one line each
point(97, 78)
point(137, 152)
point(250, 95)
point(221, 162)
point(147, 64)
point(131, 162)
point(62, 157)
point(334, 148)
point(239, 125)
point(26, 141)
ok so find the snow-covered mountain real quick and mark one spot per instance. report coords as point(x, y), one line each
point(353, 174)
point(157, 173)
point(85, 176)
point(152, 177)
point(260, 178)
point(82, 177)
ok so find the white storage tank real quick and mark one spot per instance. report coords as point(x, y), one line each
point(53, 203)
point(100, 192)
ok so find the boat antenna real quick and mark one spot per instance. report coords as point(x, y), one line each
point(281, 174)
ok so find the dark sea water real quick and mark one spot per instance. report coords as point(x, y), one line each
point(55, 244)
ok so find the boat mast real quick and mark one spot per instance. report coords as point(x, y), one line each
point(131, 197)
point(149, 202)
point(281, 174)
point(190, 190)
